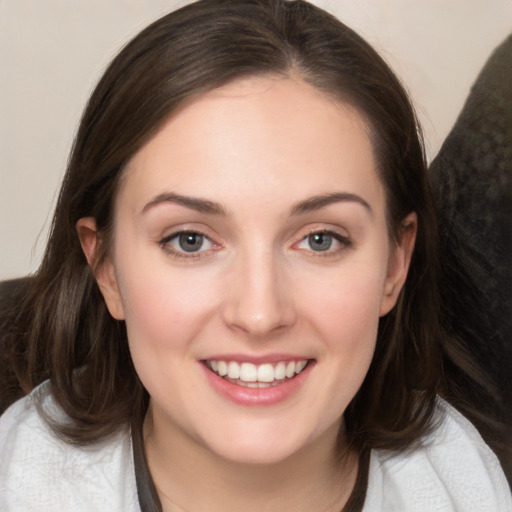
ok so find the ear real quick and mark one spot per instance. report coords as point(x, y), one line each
point(398, 263)
point(103, 271)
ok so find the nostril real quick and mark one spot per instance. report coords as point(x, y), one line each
point(257, 300)
point(259, 322)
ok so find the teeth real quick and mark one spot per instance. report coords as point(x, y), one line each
point(280, 371)
point(299, 366)
point(254, 376)
point(265, 373)
point(290, 370)
point(248, 372)
point(233, 370)
point(222, 368)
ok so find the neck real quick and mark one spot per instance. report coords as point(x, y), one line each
point(191, 478)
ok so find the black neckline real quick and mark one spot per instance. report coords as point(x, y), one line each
point(149, 500)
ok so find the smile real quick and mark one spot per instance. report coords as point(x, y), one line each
point(256, 376)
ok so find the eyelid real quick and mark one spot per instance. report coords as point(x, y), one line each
point(182, 231)
point(343, 240)
point(165, 244)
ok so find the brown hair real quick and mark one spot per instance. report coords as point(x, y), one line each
point(74, 341)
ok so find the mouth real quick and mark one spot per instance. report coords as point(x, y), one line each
point(251, 375)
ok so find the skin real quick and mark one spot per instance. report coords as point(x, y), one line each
point(258, 286)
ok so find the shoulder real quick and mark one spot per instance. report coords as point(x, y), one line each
point(453, 470)
point(39, 471)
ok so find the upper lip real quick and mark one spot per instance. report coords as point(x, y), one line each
point(257, 360)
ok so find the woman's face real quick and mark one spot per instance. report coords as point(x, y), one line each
point(250, 238)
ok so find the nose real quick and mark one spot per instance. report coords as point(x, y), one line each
point(258, 297)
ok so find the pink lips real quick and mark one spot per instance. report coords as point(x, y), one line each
point(248, 396)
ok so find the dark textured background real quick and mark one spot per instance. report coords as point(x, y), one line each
point(472, 182)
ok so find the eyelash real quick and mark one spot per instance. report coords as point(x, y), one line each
point(343, 240)
point(182, 255)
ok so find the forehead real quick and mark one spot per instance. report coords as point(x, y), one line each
point(258, 135)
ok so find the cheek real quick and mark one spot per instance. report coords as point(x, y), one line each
point(159, 311)
point(164, 306)
point(344, 311)
point(165, 311)
point(347, 303)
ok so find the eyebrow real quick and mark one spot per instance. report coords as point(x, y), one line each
point(321, 201)
point(210, 207)
point(194, 203)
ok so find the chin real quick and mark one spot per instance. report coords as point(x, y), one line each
point(266, 445)
point(256, 453)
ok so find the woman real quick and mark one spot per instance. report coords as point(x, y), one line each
point(237, 308)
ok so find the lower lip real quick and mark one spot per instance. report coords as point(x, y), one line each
point(242, 395)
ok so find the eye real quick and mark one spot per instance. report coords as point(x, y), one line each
point(319, 241)
point(189, 242)
point(324, 241)
point(186, 242)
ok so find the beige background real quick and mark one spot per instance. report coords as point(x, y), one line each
point(53, 51)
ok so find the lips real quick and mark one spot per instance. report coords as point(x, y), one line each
point(252, 375)
point(257, 381)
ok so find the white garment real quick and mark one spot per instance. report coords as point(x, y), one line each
point(454, 472)
point(41, 473)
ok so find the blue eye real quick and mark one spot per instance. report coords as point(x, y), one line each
point(320, 241)
point(190, 242)
point(329, 242)
point(186, 242)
